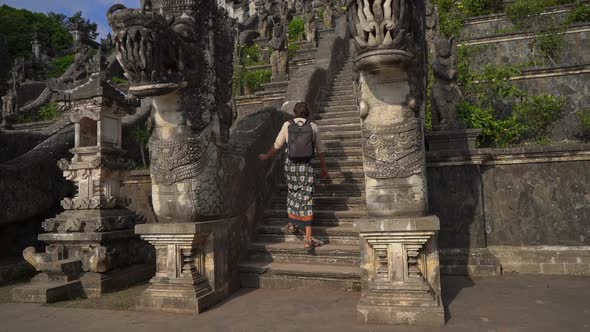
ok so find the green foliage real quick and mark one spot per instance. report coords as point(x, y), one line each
point(49, 111)
point(141, 135)
point(579, 14)
point(584, 116)
point(525, 14)
point(548, 44)
point(451, 17)
point(319, 13)
point(251, 55)
point(292, 49)
point(253, 80)
point(119, 80)
point(488, 97)
point(481, 7)
point(538, 114)
point(59, 65)
point(495, 132)
point(18, 26)
point(77, 22)
point(297, 29)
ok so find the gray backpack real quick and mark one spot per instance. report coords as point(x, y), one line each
point(301, 141)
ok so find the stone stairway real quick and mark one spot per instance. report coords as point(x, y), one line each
point(277, 259)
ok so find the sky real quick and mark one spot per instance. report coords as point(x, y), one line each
point(95, 10)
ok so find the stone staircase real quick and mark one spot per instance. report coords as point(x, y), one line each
point(277, 259)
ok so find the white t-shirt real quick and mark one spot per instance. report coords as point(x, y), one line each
point(283, 136)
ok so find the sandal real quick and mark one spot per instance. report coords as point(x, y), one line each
point(292, 229)
point(310, 245)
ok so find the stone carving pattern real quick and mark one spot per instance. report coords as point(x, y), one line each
point(393, 151)
point(174, 161)
point(377, 23)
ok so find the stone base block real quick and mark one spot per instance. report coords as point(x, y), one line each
point(400, 315)
point(15, 269)
point(48, 292)
point(476, 262)
point(177, 300)
point(96, 284)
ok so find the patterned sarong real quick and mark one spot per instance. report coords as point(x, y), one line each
point(300, 180)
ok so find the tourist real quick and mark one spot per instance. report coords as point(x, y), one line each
point(303, 141)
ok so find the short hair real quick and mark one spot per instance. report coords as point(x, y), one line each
point(301, 110)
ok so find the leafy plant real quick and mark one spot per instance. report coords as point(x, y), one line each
point(539, 114)
point(584, 116)
point(59, 65)
point(251, 55)
point(297, 29)
point(579, 14)
point(49, 111)
point(292, 49)
point(549, 43)
point(253, 80)
point(119, 80)
point(142, 137)
point(481, 7)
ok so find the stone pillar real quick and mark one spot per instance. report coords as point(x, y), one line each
point(191, 266)
point(400, 265)
point(92, 248)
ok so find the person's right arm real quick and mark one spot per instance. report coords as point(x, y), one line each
point(278, 144)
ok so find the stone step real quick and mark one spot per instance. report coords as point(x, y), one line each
point(341, 114)
point(330, 188)
point(328, 222)
point(338, 143)
point(341, 84)
point(336, 106)
point(338, 121)
point(349, 98)
point(340, 163)
point(342, 134)
point(326, 202)
point(329, 128)
point(339, 93)
point(349, 101)
point(342, 235)
point(344, 153)
point(321, 214)
point(255, 274)
point(293, 252)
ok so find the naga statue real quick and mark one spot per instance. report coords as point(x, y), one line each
point(311, 27)
point(179, 53)
point(446, 93)
point(279, 59)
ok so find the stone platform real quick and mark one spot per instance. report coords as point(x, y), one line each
point(508, 303)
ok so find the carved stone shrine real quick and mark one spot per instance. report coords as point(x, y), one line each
point(399, 253)
point(92, 248)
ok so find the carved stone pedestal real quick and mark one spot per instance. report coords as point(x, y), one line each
point(59, 282)
point(400, 272)
point(191, 266)
point(456, 140)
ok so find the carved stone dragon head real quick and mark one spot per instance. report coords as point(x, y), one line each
point(156, 44)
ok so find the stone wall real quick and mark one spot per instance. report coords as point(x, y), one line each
point(514, 48)
point(528, 206)
point(489, 25)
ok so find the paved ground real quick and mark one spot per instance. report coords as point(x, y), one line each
point(506, 304)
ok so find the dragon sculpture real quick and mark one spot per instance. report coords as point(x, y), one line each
point(179, 52)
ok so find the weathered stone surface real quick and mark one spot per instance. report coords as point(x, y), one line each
point(570, 260)
point(455, 196)
point(400, 281)
point(514, 49)
point(537, 203)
